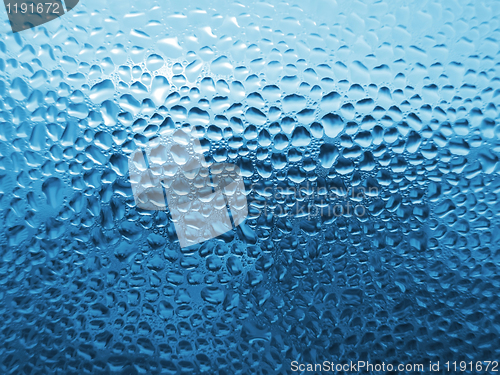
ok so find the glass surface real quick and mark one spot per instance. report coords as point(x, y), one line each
point(364, 143)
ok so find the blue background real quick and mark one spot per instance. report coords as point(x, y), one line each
point(332, 97)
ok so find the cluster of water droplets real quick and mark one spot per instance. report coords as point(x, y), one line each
point(387, 109)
